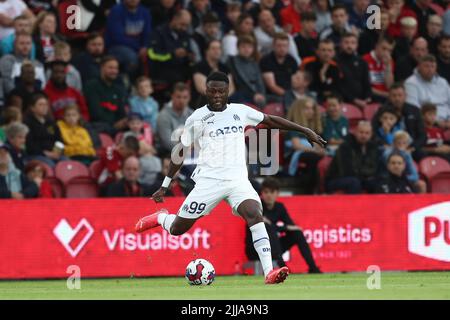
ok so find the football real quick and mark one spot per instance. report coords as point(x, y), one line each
point(200, 272)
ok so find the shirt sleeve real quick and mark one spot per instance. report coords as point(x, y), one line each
point(192, 131)
point(253, 117)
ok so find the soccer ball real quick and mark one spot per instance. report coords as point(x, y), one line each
point(200, 272)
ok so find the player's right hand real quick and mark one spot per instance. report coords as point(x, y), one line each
point(158, 196)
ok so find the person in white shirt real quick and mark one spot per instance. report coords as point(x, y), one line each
point(265, 32)
point(11, 64)
point(9, 10)
point(426, 86)
point(221, 173)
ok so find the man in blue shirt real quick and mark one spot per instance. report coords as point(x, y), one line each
point(127, 34)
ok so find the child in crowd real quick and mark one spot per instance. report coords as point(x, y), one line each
point(335, 124)
point(35, 171)
point(305, 112)
point(64, 53)
point(111, 160)
point(78, 144)
point(143, 103)
point(10, 115)
point(44, 139)
point(400, 144)
point(13, 184)
point(435, 144)
point(395, 181)
point(142, 131)
point(389, 125)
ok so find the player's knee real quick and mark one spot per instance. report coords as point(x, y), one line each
point(253, 217)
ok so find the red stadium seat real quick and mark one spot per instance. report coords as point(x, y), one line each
point(352, 113)
point(106, 140)
point(81, 188)
point(432, 166)
point(57, 187)
point(440, 183)
point(322, 166)
point(275, 109)
point(95, 169)
point(370, 110)
point(68, 170)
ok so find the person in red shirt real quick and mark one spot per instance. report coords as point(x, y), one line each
point(111, 160)
point(35, 171)
point(290, 16)
point(61, 95)
point(381, 68)
point(397, 10)
point(435, 144)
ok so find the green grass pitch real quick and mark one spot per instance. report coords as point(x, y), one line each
point(394, 285)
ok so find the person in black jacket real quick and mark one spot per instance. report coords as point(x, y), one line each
point(170, 51)
point(14, 184)
point(129, 185)
point(409, 117)
point(356, 163)
point(282, 237)
point(406, 63)
point(324, 71)
point(16, 134)
point(396, 180)
point(355, 83)
point(44, 133)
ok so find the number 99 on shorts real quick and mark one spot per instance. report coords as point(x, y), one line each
point(194, 208)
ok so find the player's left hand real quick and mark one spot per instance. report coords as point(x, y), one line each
point(314, 137)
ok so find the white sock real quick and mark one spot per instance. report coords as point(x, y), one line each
point(166, 220)
point(261, 243)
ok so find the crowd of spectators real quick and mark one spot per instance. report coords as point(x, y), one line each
point(135, 70)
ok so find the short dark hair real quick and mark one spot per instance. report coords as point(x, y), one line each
point(245, 39)
point(280, 36)
point(386, 109)
point(442, 38)
point(210, 17)
point(308, 16)
point(271, 184)
point(385, 38)
point(333, 95)
point(337, 7)
point(218, 76)
point(428, 58)
point(349, 35)
point(325, 41)
point(180, 86)
point(36, 97)
point(93, 36)
point(131, 143)
point(428, 107)
point(107, 59)
point(55, 63)
point(396, 153)
point(397, 85)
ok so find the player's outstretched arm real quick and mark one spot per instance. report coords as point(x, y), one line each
point(158, 196)
point(275, 122)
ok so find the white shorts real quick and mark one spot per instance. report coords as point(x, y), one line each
point(208, 192)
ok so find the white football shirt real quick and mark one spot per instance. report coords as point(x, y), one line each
point(221, 139)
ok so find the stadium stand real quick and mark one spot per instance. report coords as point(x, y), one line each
point(94, 39)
